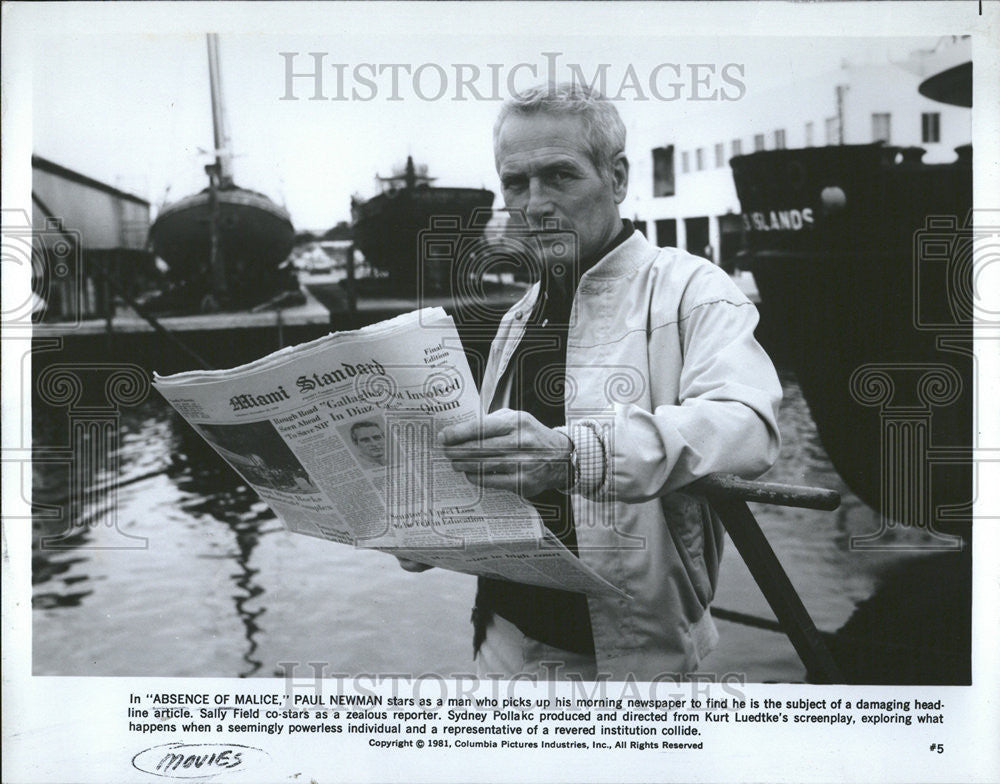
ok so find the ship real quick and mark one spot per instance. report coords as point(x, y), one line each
point(863, 259)
point(226, 246)
point(862, 255)
point(390, 228)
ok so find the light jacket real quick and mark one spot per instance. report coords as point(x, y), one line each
point(665, 383)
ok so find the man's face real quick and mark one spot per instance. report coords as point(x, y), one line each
point(545, 171)
point(371, 443)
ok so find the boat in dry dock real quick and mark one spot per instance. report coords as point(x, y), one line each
point(388, 226)
point(225, 246)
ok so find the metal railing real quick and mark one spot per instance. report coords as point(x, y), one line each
point(728, 496)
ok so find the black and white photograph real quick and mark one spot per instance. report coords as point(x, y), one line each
point(366, 437)
point(724, 274)
point(259, 455)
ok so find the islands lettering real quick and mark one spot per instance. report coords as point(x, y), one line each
point(782, 220)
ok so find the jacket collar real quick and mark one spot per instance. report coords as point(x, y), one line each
point(623, 259)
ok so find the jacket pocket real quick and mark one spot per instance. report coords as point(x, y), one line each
point(687, 517)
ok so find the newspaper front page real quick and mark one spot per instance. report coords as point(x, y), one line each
point(337, 436)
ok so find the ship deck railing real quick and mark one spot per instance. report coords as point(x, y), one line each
point(728, 496)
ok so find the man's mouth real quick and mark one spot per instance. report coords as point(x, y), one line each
point(550, 226)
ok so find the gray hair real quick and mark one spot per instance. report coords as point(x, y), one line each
point(602, 125)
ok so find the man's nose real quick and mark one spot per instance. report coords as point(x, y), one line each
point(539, 204)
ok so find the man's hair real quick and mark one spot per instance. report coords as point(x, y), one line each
point(360, 426)
point(602, 125)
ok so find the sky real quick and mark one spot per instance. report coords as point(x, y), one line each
point(133, 109)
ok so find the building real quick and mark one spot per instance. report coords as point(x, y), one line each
point(84, 233)
point(681, 187)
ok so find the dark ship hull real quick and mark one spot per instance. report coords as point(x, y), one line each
point(254, 237)
point(387, 230)
point(870, 296)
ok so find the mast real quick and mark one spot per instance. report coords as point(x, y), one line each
point(219, 176)
point(223, 154)
point(411, 173)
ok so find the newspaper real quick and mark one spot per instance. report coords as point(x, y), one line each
point(337, 436)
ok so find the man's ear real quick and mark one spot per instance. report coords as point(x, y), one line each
point(619, 177)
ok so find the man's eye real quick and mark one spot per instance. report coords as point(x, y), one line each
point(515, 183)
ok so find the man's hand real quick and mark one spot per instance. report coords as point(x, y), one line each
point(510, 450)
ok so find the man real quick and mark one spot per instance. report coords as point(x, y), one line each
point(369, 439)
point(614, 383)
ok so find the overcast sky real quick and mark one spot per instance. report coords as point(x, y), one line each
point(133, 109)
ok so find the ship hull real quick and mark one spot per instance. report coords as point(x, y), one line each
point(390, 229)
point(861, 260)
point(255, 236)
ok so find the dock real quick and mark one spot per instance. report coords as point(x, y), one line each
point(317, 311)
point(127, 321)
point(313, 312)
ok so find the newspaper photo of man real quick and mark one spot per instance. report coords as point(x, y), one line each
point(369, 442)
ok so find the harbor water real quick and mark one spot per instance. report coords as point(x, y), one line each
point(190, 574)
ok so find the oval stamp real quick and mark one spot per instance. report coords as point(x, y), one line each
point(197, 760)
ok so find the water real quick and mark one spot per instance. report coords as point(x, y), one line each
point(222, 590)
